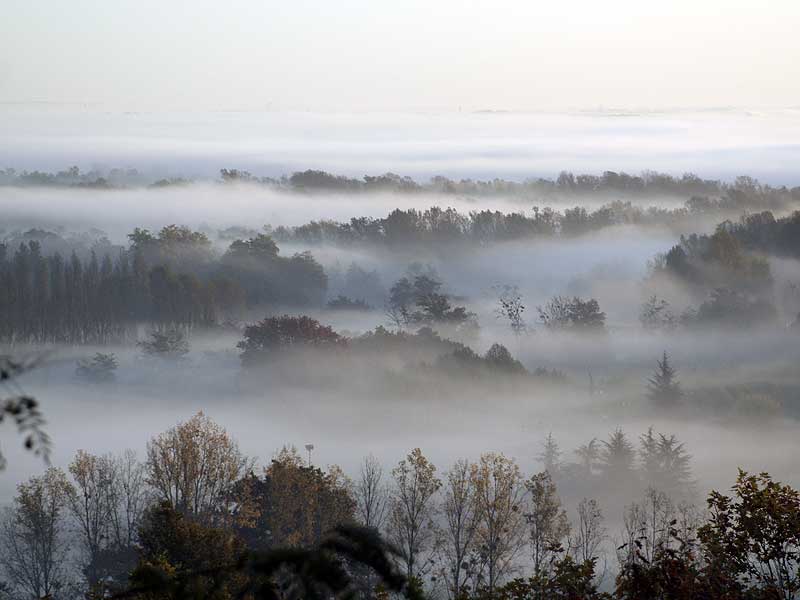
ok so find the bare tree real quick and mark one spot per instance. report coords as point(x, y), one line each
point(461, 521)
point(589, 533)
point(511, 308)
point(499, 496)
point(646, 528)
point(371, 494)
point(411, 512)
point(110, 497)
point(92, 506)
point(194, 464)
point(131, 497)
point(547, 521)
point(34, 541)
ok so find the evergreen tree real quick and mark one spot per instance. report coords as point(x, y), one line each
point(663, 387)
point(550, 456)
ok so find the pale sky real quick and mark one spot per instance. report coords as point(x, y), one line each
point(409, 54)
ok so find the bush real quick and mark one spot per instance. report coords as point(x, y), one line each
point(100, 368)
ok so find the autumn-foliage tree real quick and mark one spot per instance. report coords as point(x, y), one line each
point(547, 521)
point(34, 540)
point(499, 498)
point(459, 508)
point(274, 335)
point(412, 508)
point(193, 465)
point(294, 505)
point(183, 558)
point(107, 505)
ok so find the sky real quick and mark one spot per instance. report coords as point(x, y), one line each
point(410, 55)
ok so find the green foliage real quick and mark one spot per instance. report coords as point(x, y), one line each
point(568, 580)
point(752, 538)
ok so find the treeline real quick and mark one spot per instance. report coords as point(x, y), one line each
point(762, 232)
point(436, 225)
point(744, 191)
point(197, 519)
point(728, 272)
point(169, 279)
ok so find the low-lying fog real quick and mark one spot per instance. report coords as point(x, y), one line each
point(345, 424)
point(720, 143)
point(348, 409)
point(348, 420)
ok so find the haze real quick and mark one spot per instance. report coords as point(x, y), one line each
point(414, 300)
point(361, 55)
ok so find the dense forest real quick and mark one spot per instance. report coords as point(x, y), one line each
point(101, 293)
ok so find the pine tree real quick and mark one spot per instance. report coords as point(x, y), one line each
point(550, 456)
point(663, 388)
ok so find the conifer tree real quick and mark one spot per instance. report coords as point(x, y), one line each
point(663, 388)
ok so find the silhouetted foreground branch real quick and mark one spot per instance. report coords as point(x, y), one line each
point(286, 573)
point(23, 409)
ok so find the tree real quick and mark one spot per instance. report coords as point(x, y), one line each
point(34, 543)
point(419, 302)
point(656, 315)
point(371, 497)
point(663, 388)
point(193, 465)
point(371, 494)
point(177, 548)
point(589, 455)
point(568, 580)
point(665, 462)
point(274, 335)
point(752, 537)
point(412, 510)
point(499, 359)
point(91, 506)
point(589, 533)
point(499, 497)
point(617, 456)
point(648, 528)
point(99, 369)
point(575, 314)
point(171, 344)
point(511, 308)
point(550, 456)
point(460, 527)
point(548, 524)
point(295, 505)
point(107, 505)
